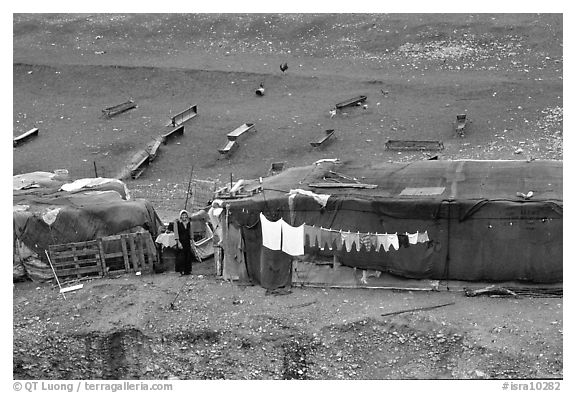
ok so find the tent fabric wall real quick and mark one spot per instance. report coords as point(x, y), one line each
point(477, 230)
point(82, 223)
point(45, 215)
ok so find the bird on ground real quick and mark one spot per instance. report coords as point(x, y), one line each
point(283, 67)
point(332, 112)
point(260, 90)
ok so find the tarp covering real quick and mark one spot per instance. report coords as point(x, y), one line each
point(44, 215)
point(479, 228)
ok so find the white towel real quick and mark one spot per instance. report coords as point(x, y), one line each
point(271, 233)
point(292, 239)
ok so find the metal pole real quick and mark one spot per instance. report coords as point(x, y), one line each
point(95, 170)
point(188, 190)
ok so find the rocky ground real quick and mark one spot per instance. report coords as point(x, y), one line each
point(126, 328)
point(418, 71)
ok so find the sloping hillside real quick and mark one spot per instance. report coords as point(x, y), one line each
point(418, 71)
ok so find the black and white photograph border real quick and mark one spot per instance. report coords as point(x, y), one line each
point(349, 195)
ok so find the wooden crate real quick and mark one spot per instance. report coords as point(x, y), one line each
point(115, 254)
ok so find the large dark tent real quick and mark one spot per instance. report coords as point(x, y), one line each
point(488, 221)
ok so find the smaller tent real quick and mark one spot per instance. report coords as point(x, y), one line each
point(48, 211)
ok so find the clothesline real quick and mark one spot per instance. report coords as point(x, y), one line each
point(279, 235)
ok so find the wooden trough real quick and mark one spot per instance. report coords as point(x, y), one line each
point(232, 145)
point(351, 102)
point(178, 131)
point(154, 147)
point(460, 124)
point(184, 116)
point(276, 168)
point(116, 109)
point(117, 254)
point(25, 136)
point(139, 164)
point(414, 145)
point(232, 136)
point(321, 141)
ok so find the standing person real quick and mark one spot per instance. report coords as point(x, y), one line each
point(183, 236)
point(215, 220)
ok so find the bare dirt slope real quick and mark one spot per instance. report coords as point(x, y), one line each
point(418, 71)
point(125, 328)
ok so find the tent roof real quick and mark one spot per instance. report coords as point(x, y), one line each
point(429, 180)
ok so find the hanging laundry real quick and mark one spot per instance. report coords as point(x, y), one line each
point(338, 240)
point(292, 239)
point(380, 241)
point(328, 238)
point(368, 240)
point(347, 238)
point(391, 240)
point(423, 237)
point(271, 233)
point(403, 240)
point(313, 234)
point(412, 237)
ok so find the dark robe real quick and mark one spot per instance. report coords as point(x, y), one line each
point(184, 256)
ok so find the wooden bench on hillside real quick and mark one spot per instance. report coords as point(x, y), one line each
point(351, 102)
point(320, 142)
point(25, 136)
point(116, 109)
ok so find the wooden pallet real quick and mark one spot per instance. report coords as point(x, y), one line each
point(25, 136)
point(104, 256)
